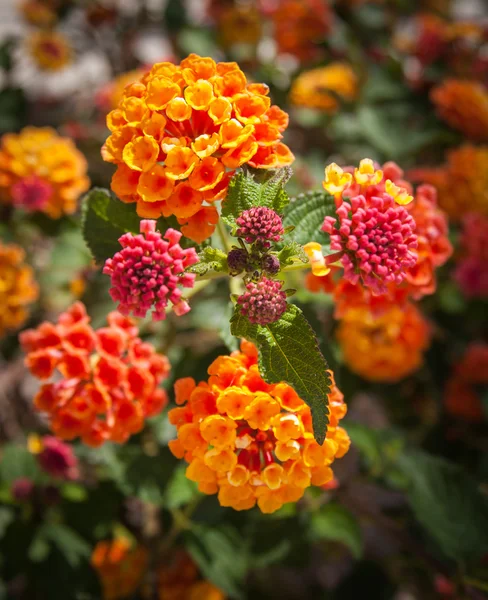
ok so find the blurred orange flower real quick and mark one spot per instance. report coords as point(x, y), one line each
point(464, 106)
point(120, 566)
point(249, 441)
point(17, 287)
point(50, 50)
point(462, 398)
point(181, 131)
point(112, 93)
point(39, 170)
point(179, 580)
point(384, 348)
point(300, 25)
point(110, 377)
point(325, 87)
point(239, 24)
point(462, 183)
point(38, 12)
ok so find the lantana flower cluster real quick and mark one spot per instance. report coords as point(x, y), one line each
point(41, 171)
point(54, 456)
point(179, 579)
point(109, 381)
point(146, 273)
point(181, 131)
point(372, 234)
point(385, 347)
point(120, 566)
point(324, 87)
point(50, 50)
point(18, 287)
point(251, 442)
point(433, 250)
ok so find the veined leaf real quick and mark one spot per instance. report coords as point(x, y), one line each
point(210, 259)
point(291, 251)
point(245, 192)
point(288, 351)
point(306, 214)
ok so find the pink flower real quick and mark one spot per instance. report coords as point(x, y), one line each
point(260, 224)
point(263, 302)
point(374, 238)
point(57, 458)
point(31, 193)
point(147, 271)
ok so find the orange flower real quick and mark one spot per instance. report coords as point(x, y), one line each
point(180, 580)
point(462, 183)
point(249, 441)
point(39, 170)
point(38, 12)
point(239, 25)
point(17, 287)
point(111, 377)
point(192, 123)
point(462, 398)
point(384, 348)
point(112, 94)
point(50, 50)
point(120, 566)
point(312, 88)
point(300, 25)
point(464, 106)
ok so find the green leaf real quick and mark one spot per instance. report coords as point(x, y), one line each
point(71, 545)
point(221, 555)
point(180, 489)
point(210, 259)
point(17, 462)
point(290, 252)
point(245, 192)
point(6, 517)
point(104, 220)
point(289, 352)
point(306, 214)
point(336, 523)
point(448, 503)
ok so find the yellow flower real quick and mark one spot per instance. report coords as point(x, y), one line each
point(17, 288)
point(385, 347)
point(325, 87)
point(317, 259)
point(39, 170)
point(50, 50)
point(336, 179)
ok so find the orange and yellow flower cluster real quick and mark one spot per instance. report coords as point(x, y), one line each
point(462, 183)
point(41, 171)
point(50, 50)
point(323, 88)
point(249, 441)
point(120, 567)
point(384, 347)
point(182, 130)
point(18, 287)
point(110, 377)
point(464, 106)
point(179, 580)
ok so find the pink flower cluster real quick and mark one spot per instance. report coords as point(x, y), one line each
point(374, 238)
point(472, 271)
point(260, 224)
point(263, 302)
point(57, 458)
point(31, 193)
point(147, 271)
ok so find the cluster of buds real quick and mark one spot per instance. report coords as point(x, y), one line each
point(264, 301)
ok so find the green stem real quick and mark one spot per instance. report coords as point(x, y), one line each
point(296, 267)
point(224, 238)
